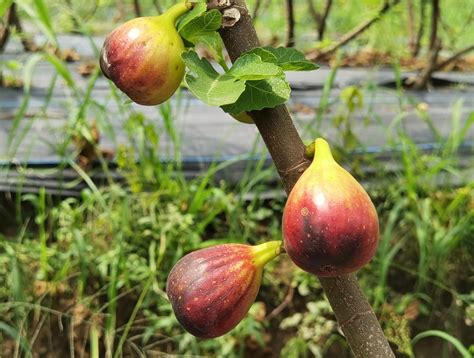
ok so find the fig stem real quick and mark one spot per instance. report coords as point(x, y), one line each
point(309, 150)
point(266, 252)
point(322, 150)
point(177, 10)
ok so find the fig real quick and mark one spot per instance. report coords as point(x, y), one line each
point(143, 57)
point(330, 225)
point(212, 289)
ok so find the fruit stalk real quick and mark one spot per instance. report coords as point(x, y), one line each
point(266, 252)
point(174, 12)
point(354, 314)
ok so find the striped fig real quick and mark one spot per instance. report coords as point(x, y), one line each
point(212, 289)
point(330, 225)
point(143, 56)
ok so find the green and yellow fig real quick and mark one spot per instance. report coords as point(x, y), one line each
point(143, 57)
point(212, 289)
point(330, 225)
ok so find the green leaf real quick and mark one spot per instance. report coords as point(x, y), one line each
point(265, 55)
point(214, 43)
point(197, 11)
point(4, 5)
point(251, 67)
point(201, 25)
point(208, 85)
point(289, 59)
point(261, 94)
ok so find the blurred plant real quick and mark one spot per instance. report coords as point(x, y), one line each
point(314, 330)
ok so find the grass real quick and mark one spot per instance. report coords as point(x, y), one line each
point(88, 274)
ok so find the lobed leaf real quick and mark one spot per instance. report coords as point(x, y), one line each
point(261, 94)
point(252, 67)
point(208, 85)
point(289, 59)
point(203, 25)
point(196, 11)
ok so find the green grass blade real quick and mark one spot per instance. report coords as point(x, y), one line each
point(28, 71)
point(62, 70)
point(447, 337)
point(40, 15)
point(14, 334)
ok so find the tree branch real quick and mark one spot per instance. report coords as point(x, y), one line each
point(323, 21)
point(424, 77)
point(256, 9)
point(290, 16)
point(320, 18)
point(137, 8)
point(314, 13)
point(349, 36)
point(411, 26)
point(5, 29)
point(454, 57)
point(356, 317)
point(435, 15)
point(13, 21)
point(421, 29)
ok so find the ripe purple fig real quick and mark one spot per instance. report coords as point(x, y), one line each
point(330, 226)
point(212, 289)
point(143, 57)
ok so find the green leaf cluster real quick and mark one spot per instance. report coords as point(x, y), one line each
point(256, 79)
point(199, 27)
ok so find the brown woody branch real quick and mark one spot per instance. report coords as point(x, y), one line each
point(13, 21)
point(323, 21)
point(5, 29)
point(290, 19)
point(421, 29)
point(137, 8)
point(320, 18)
point(411, 26)
point(454, 57)
point(353, 312)
point(435, 16)
point(424, 77)
point(359, 29)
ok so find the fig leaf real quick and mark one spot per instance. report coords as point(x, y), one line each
point(289, 59)
point(251, 67)
point(261, 94)
point(202, 25)
point(208, 85)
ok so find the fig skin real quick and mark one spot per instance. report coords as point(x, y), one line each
point(143, 57)
point(330, 225)
point(212, 289)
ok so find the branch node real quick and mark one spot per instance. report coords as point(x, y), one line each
point(230, 17)
point(354, 317)
point(219, 4)
point(300, 168)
